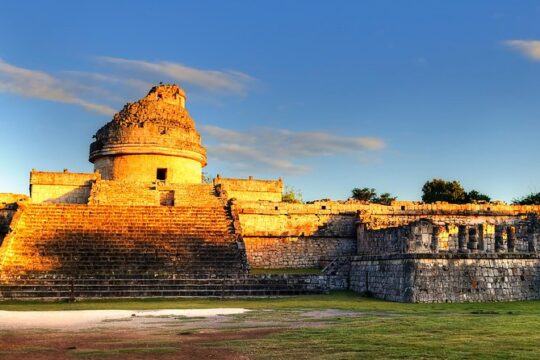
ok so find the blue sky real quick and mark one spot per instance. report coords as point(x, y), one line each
point(328, 95)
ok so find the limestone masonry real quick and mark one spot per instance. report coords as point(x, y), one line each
point(144, 225)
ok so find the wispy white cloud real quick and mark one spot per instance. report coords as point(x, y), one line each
point(529, 48)
point(281, 150)
point(116, 81)
point(228, 80)
point(40, 85)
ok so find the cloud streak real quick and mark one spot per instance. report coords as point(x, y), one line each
point(529, 48)
point(233, 81)
point(281, 150)
point(117, 81)
point(40, 85)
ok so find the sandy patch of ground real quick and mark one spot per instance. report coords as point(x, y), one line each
point(161, 334)
point(79, 319)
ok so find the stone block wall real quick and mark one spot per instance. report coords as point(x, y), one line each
point(432, 278)
point(282, 235)
point(385, 278)
point(107, 192)
point(8, 206)
point(250, 189)
point(61, 187)
point(295, 252)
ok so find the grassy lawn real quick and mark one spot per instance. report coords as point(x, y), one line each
point(377, 329)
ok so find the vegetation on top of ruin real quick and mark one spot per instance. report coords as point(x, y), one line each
point(292, 195)
point(451, 192)
point(531, 199)
point(370, 195)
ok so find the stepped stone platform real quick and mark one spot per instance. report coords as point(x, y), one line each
point(153, 287)
point(85, 239)
point(191, 249)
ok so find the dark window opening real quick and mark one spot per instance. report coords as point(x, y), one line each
point(162, 130)
point(402, 207)
point(323, 207)
point(161, 174)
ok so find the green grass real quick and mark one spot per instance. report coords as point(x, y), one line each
point(337, 300)
point(287, 271)
point(381, 330)
point(431, 336)
point(99, 354)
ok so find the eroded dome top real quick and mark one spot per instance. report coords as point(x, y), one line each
point(153, 124)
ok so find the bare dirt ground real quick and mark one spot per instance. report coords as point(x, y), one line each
point(163, 334)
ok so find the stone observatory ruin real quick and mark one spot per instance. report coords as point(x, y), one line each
point(143, 224)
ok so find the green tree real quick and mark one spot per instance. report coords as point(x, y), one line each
point(474, 195)
point(369, 194)
point(531, 199)
point(363, 194)
point(292, 195)
point(384, 199)
point(442, 190)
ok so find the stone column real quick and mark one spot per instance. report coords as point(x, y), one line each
point(482, 242)
point(463, 238)
point(435, 239)
point(511, 238)
point(500, 245)
point(361, 242)
point(472, 244)
point(531, 238)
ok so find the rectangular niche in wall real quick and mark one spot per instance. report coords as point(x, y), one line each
point(161, 174)
point(166, 198)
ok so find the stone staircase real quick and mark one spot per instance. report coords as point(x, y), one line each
point(94, 251)
point(79, 240)
point(140, 286)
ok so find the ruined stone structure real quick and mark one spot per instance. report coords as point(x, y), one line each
point(153, 138)
point(144, 225)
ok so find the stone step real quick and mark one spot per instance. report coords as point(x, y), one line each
point(142, 286)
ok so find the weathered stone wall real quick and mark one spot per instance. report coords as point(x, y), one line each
point(495, 234)
point(143, 168)
point(448, 278)
point(250, 189)
point(8, 206)
point(106, 192)
point(384, 278)
point(153, 133)
point(295, 252)
point(282, 235)
point(61, 187)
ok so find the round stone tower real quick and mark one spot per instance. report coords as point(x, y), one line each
point(153, 139)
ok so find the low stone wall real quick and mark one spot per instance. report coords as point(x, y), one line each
point(250, 189)
point(295, 252)
point(61, 187)
point(111, 192)
point(431, 278)
point(282, 235)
